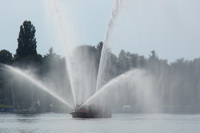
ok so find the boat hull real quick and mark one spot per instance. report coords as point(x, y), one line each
point(89, 115)
point(81, 115)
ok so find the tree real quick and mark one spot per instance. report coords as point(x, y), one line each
point(153, 56)
point(26, 40)
point(5, 95)
point(100, 46)
point(5, 57)
point(123, 61)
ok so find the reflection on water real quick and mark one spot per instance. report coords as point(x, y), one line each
point(26, 118)
point(120, 123)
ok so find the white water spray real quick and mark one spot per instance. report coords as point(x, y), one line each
point(37, 83)
point(137, 80)
point(64, 33)
point(105, 50)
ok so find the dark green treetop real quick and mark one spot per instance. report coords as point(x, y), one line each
point(26, 40)
point(5, 57)
point(99, 46)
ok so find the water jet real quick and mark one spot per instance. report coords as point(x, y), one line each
point(35, 82)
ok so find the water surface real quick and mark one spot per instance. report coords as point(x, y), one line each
point(119, 123)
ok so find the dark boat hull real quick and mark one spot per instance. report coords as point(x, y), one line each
point(81, 115)
point(89, 115)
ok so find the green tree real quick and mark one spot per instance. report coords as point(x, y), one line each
point(100, 46)
point(123, 61)
point(5, 57)
point(153, 55)
point(26, 40)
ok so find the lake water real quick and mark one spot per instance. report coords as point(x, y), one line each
point(119, 123)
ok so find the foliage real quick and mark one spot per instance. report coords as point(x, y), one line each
point(5, 106)
point(26, 40)
point(5, 57)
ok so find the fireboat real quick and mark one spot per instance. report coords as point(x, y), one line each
point(91, 112)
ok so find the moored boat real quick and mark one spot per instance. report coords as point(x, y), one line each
point(90, 112)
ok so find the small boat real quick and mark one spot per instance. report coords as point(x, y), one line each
point(90, 112)
point(7, 110)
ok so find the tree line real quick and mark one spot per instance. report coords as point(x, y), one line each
point(178, 83)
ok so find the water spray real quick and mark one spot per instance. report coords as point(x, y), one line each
point(37, 83)
point(64, 30)
point(105, 50)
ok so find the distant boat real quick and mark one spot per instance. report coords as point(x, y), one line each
point(7, 108)
point(31, 110)
point(90, 112)
point(25, 111)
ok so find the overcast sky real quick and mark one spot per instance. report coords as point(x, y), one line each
point(170, 27)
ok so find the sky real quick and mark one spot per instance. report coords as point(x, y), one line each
point(170, 27)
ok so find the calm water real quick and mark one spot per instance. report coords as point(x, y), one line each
point(119, 123)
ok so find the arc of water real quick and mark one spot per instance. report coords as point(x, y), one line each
point(61, 22)
point(104, 52)
point(37, 83)
point(112, 82)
